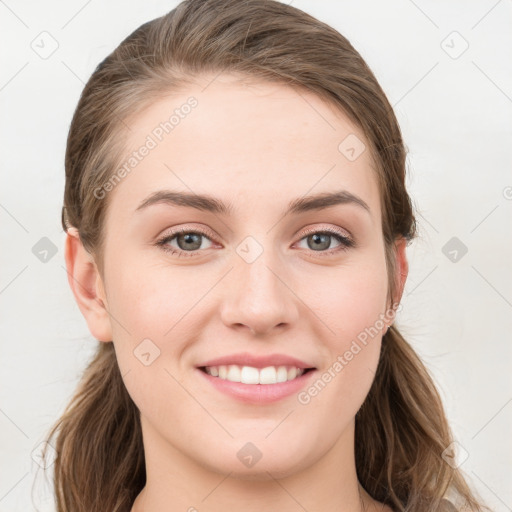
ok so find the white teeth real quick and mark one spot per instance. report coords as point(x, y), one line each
point(268, 375)
point(251, 375)
point(234, 373)
point(282, 374)
point(292, 373)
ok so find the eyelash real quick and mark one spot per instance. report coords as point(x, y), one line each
point(346, 243)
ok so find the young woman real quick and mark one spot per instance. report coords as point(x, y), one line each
point(237, 225)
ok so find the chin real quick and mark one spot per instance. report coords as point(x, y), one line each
point(273, 466)
point(262, 472)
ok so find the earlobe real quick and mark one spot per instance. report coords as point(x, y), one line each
point(87, 286)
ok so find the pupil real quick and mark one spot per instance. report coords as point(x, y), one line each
point(191, 238)
point(318, 241)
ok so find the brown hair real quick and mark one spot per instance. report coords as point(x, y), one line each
point(401, 428)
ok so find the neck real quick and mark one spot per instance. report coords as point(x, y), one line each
point(175, 482)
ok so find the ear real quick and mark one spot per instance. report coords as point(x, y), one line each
point(87, 286)
point(401, 272)
point(402, 268)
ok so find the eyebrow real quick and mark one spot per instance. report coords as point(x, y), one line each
point(211, 204)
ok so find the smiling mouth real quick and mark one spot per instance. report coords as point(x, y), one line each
point(252, 375)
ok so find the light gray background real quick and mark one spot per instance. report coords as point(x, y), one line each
point(455, 114)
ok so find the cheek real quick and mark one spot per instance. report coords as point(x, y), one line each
point(157, 315)
point(150, 299)
point(149, 325)
point(352, 299)
point(352, 310)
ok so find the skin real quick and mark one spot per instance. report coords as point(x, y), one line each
point(257, 146)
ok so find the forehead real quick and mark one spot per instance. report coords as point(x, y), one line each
point(245, 140)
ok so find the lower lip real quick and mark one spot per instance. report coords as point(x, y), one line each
point(259, 393)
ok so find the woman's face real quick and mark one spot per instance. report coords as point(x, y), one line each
point(260, 276)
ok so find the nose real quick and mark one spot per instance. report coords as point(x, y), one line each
point(259, 298)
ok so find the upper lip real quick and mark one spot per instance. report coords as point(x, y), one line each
point(246, 359)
